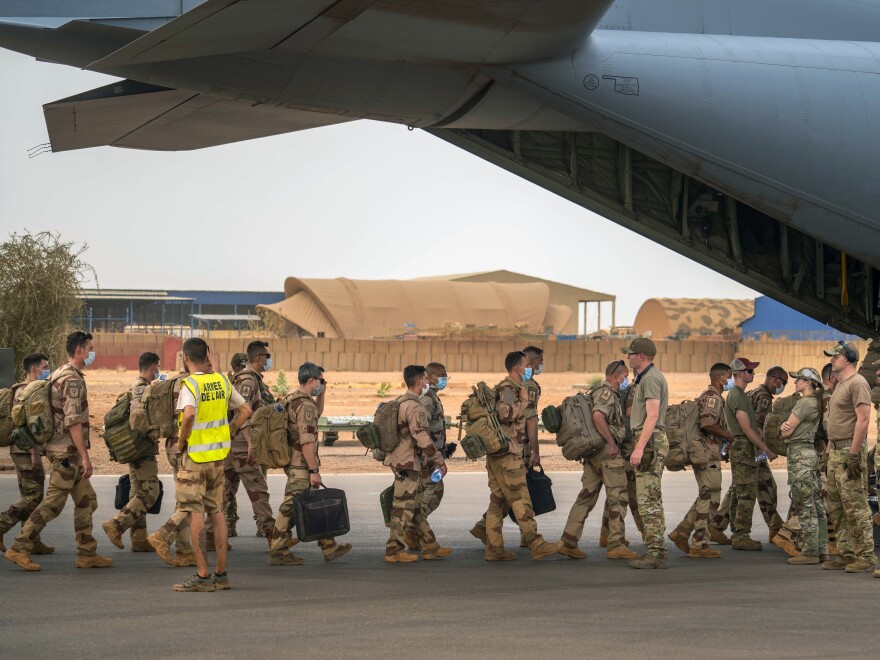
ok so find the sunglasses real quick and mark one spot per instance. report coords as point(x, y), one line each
point(747, 371)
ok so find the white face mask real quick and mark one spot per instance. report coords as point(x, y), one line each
point(728, 385)
point(425, 389)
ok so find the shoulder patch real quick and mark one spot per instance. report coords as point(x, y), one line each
point(308, 414)
point(711, 402)
point(765, 403)
point(71, 388)
point(606, 395)
point(246, 391)
point(423, 418)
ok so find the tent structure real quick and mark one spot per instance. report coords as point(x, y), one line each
point(361, 309)
point(666, 317)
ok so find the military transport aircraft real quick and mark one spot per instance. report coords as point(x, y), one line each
point(743, 134)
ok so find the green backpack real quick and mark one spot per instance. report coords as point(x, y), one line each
point(6, 425)
point(123, 444)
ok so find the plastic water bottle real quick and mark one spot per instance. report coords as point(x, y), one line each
point(725, 449)
point(437, 476)
point(760, 458)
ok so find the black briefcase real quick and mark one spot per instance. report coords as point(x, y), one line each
point(123, 495)
point(540, 491)
point(321, 514)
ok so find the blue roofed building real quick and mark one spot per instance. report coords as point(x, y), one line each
point(774, 320)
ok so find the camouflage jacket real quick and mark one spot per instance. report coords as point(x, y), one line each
point(302, 426)
point(70, 405)
point(436, 417)
point(416, 451)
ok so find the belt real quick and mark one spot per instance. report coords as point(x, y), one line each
point(840, 444)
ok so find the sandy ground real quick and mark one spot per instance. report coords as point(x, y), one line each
point(351, 393)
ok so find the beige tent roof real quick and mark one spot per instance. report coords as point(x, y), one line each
point(664, 317)
point(343, 308)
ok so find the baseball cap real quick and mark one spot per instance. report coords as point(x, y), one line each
point(807, 373)
point(239, 360)
point(743, 364)
point(840, 349)
point(640, 345)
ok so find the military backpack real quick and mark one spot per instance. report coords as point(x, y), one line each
point(32, 415)
point(124, 444)
point(687, 444)
point(782, 407)
point(159, 419)
point(270, 445)
point(6, 425)
point(382, 435)
point(575, 431)
point(485, 434)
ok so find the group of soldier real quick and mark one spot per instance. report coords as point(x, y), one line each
point(211, 455)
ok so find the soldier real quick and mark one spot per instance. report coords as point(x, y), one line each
point(711, 407)
point(848, 417)
point(649, 455)
point(507, 473)
point(239, 465)
point(230, 506)
point(605, 468)
point(68, 451)
point(144, 472)
point(304, 406)
point(432, 493)
point(774, 384)
point(205, 440)
point(414, 453)
point(28, 463)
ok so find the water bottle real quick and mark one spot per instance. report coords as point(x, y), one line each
point(760, 458)
point(725, 449)
point(437, 476)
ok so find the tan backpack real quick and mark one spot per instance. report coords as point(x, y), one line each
point(6, 425)
point(485, 434)
point(159, 419)
point(33, 415)
point(687, 445)
point(577, 435)
point(270, 445)
point(782, 407)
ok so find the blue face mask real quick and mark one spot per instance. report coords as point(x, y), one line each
point(45, 373)
point(268, 364)
point(90, 358)
point(540, 369)
point(527, 375)
point(625, 384)
point(729, 384)
point(441, 382)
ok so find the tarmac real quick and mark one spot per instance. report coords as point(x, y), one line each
point(748, 604)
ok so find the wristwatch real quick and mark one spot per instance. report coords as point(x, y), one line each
point(315, 471)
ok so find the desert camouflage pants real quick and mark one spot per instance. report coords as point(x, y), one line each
point(508, 491)
point(297, 483)
point(599, 470)
point(705, 507)
point(144, 475)
point(431, 493)
point(848, 508)
point(236, 468)
point(649, 475)
point(631, 499)
point(176, 528)
point(806, 498)
point(30, 487)
point(766, 494)
point(65, 480)
point(407, 511)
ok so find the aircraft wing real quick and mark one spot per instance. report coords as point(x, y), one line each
point(473, 31)
point(140, 116)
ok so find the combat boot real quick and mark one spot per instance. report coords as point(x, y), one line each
point(93, 561)
point(436, 553)
point(183, 559)
point(803, 560)
point(648, 561)
point(545, 549)
point(21, 560)
point(876, 520)
point(522, 542)
point(411, 540)
point(287, 559)
point(113, 534)
point(680, 541)
point(141, 546)
point(401, 557)
point(603, 538)
point(824, 558)
point(161, 546)
point(860, 566)
point(704, 553)
point(835, 565)
point(718, 537)
point(339, 551)
point(621, 552)
point(504, 555)
point(479, 532)
point(781, 542)
point(572, 551)
point(41, 548)
point(747, 544)
point(772, 535)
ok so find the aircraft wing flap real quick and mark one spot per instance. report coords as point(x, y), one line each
point(138, 116)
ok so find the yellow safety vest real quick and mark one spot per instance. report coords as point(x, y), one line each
point(210, 439)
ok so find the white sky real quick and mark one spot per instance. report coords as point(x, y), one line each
point(363, 200)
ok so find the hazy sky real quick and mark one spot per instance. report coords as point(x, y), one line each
point(362, 200)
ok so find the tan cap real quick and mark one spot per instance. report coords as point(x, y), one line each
point(807, 373)
point(841, 349)
point(640, 345)
point(743, 364)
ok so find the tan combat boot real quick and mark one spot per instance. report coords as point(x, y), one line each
point(113, 534)
point(411, 541)
point(436, 553)
point(522, 542)
point(183, 559)
point(572, 551)
point(93, 561)
point(772, 534)
point(704, 553)
point(41, 548)
point(621, 552)
point(339, 551)
point(21, 560)
point(504, 555)
point(141, 546)
point(545, 549)
point(287, 559)
point(680, 541)
point(803, 560)
point(648, 561)
point(781, 542)
point(479, 532)
point(860, 566)
point(161, 546)
point(718, 537)
point(603, 538)
point(835, 565)
point(401, 557)
point(747, 544)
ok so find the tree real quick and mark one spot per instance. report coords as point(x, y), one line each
point(41, 278)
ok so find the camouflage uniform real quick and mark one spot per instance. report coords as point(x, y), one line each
point(176, 528)
point(711, 406)
point(254, 391)
point(626, 452)
point(144, 475)
point(432, 493)
point(602, 470)
point(768, 494)
point(31, 481)
point(848, 500)
point(803, 479)
point(416, 452)
point(70, 405)
point(302, 429)
point(649, 474)
point(743, 466)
